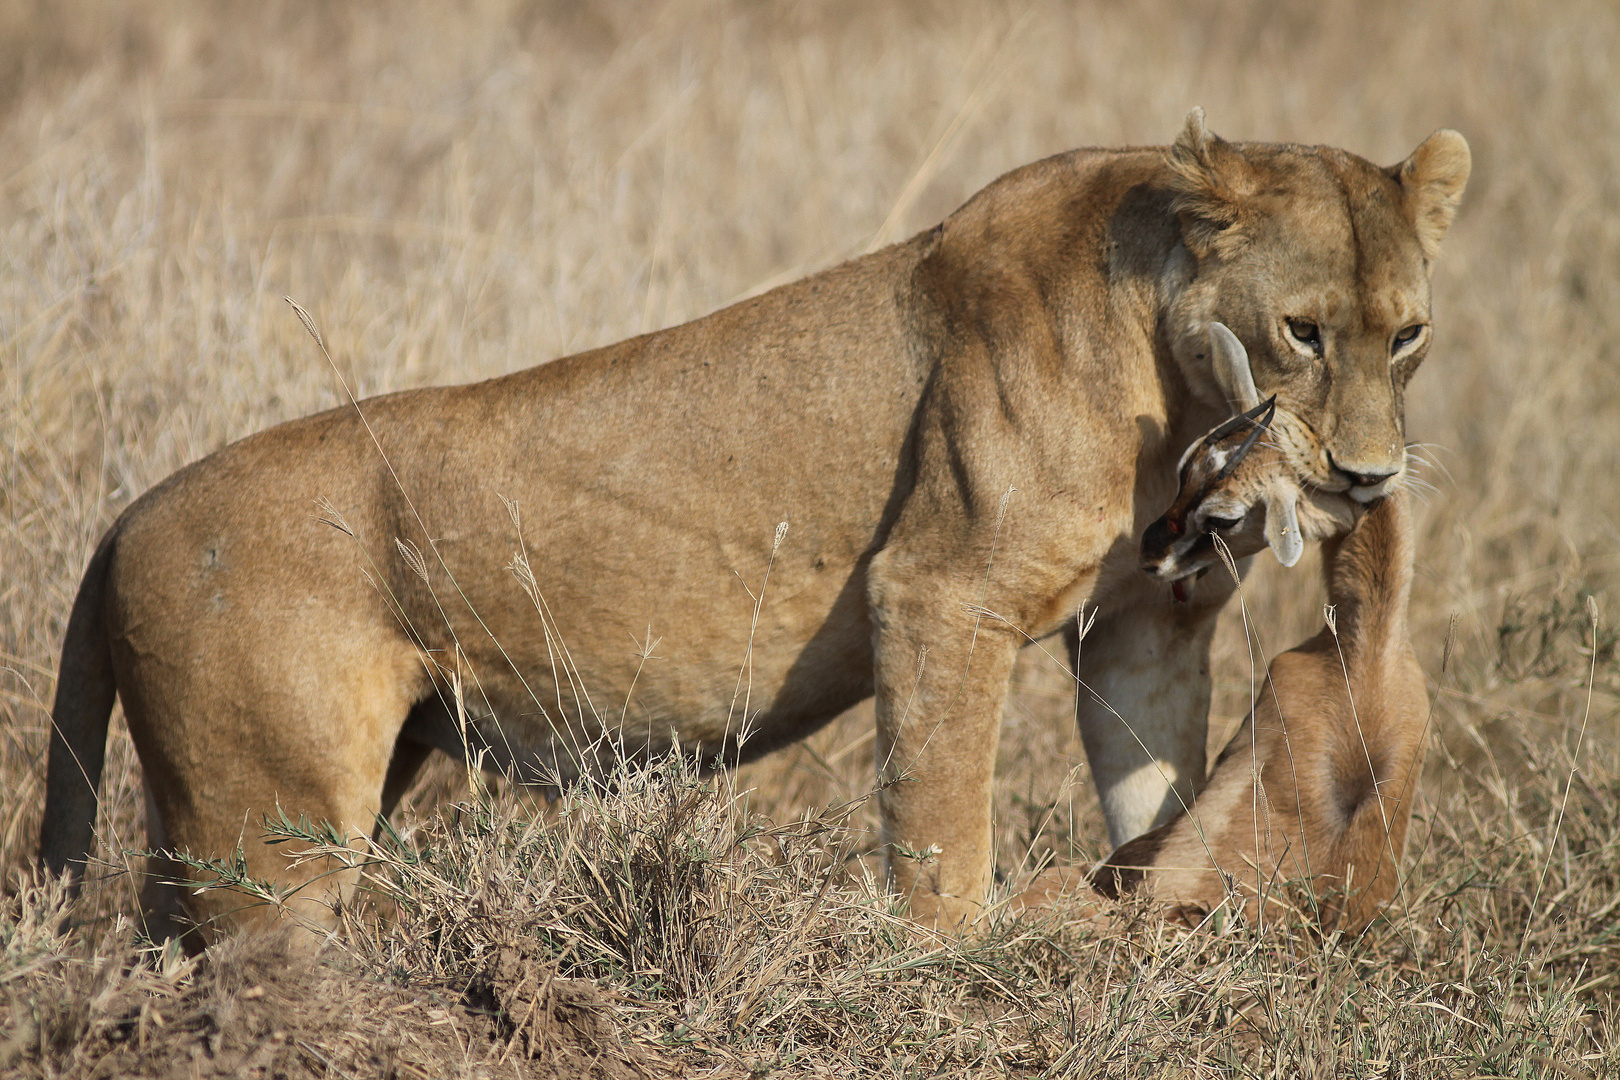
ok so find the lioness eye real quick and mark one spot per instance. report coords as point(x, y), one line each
point(1407, 336)
point(1306, 333)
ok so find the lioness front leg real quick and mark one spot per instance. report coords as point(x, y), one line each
point(941, 682)
point(1143, 704)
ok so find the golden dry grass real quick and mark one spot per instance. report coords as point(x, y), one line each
point(458, 194)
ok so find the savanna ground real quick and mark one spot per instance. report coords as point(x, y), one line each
point(455, 194)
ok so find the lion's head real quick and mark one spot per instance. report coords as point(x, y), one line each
point(1319, 261)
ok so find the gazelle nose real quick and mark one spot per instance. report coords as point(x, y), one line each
point(1361, 479)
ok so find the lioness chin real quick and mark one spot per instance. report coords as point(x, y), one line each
point(984, 416)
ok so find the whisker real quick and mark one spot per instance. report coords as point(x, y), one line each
point(1424, 455)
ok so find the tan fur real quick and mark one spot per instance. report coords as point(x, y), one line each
point(1315, 790)
point(985, 414)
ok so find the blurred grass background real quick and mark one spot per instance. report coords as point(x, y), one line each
point(456, 192)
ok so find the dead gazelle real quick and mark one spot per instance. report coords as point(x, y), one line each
point(1316, 787)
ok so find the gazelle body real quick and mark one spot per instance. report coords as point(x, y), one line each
point(1317, 785)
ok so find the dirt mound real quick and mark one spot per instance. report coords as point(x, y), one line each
point(564, 1026)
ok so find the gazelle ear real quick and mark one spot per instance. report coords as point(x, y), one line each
point(1230, 361)
point(1282, 524)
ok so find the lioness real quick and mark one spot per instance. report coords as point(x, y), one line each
point(984, 415)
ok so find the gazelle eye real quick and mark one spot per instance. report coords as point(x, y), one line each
point(1406, 337)
point(1221, 524)
point(1306, 333)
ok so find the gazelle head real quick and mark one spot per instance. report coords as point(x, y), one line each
point(1237, 483)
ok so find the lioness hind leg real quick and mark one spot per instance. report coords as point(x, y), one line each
point(1143, 701)
point(221, 755)
point(162, 915)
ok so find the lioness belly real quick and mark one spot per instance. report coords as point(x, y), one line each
point(624, 674)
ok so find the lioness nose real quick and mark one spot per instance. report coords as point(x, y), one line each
point(1362, 479)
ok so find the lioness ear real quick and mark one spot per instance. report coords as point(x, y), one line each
point(1432, 180)
point(1212, 182)
point(1282, 524)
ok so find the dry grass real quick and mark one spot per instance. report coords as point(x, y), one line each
point(455, 196)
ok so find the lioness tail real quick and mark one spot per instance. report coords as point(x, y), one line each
point(84, 698)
